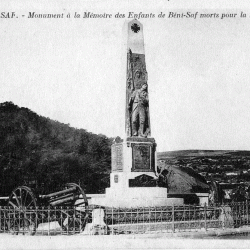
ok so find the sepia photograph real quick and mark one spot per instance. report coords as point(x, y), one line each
point(124, 125)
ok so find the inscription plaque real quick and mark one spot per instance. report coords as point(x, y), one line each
point(143, 157)
point(117, 157)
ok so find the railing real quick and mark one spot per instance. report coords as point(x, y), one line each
point(103, 220)
point(162, 219)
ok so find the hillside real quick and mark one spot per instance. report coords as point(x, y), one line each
point(42, 153)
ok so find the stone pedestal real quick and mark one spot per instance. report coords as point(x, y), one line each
point(134, 155)
point(133, 182)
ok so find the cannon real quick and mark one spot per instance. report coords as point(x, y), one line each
point(26, 210)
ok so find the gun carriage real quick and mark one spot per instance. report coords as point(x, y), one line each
point(26, 210)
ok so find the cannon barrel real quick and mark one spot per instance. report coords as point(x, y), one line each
point(62, 201)
point(52, 199)
point(69, 190)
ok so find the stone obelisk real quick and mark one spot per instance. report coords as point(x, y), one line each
point(134, 158)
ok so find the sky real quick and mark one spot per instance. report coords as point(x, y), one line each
point(73, 71)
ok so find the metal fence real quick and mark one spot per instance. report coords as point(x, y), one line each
point(103, 220)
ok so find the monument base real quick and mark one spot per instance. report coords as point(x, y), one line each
point(133, 182)
point(135, 197)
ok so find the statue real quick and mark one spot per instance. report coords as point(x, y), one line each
point(137, 101)
point(137, 106)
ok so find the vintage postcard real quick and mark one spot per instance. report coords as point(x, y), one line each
point(124, 124)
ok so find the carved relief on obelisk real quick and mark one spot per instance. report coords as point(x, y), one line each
point(137, 101)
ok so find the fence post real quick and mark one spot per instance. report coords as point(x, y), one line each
point(205, 215)
point(247, 211)
point(48, 220)
point(112, 219)
point(173, 218)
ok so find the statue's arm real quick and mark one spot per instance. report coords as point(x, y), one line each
point(145, 100)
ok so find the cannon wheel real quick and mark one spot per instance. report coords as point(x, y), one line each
point(75, 220)
point(22, 217)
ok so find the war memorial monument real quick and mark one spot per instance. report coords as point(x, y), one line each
point(137, 200)
point(133, 180)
